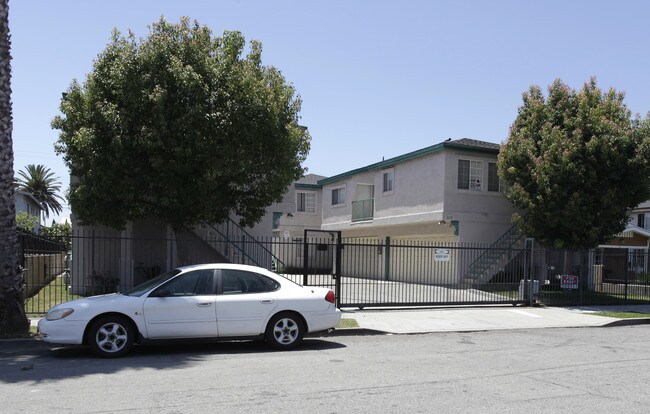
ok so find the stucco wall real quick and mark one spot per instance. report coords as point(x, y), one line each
point(417, 195)
point(294, 224)
point(425, 194)
point(483, 216)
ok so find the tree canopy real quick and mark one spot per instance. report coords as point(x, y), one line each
point(182, 126)
point(577, 162)
point(40, 182)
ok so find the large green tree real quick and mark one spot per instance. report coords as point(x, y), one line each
point(12, 314)
point(183, 126)
point(40, 181)
point(577, 162)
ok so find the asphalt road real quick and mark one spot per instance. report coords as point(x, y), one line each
point(596, 370)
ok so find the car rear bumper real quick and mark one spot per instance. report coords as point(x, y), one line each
point(323, 321)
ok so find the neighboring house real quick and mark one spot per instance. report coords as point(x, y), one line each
point(27, 203)
point(626, 256)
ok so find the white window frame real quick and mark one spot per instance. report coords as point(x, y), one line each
point(342, 190)
point(390, 172)
point(475, 176)
point(309, 206)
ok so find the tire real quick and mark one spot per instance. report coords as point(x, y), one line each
point(111, 336)
point(285, 331)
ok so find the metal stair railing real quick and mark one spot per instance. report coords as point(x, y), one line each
point(248, 248)
point(493, 254)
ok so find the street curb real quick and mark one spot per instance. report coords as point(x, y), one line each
point(628, 322)
point(28, 343)
point(346, 332)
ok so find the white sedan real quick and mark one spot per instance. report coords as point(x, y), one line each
point(225, 301)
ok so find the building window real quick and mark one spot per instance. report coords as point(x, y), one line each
point(470, 175)
point(338, 196)
point(494, 182)
point(643, 222)
point(388, 178)
point(306, 202)
point(276, 219)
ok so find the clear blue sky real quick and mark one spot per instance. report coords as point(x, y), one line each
point(377, 78)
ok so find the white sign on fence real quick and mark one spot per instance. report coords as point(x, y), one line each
point(441, 255)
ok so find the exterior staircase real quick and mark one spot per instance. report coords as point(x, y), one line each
point(237, 245)
point(495, 257)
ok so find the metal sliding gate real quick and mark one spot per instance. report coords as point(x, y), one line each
point(386, 273)
point(322, 259)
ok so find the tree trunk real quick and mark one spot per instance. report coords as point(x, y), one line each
point(12, 297)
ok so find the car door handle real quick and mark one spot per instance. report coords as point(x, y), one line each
point(266, 301)
point(203, 304)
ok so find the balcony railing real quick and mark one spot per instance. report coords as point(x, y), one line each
point(363, 210)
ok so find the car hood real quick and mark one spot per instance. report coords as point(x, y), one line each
point(91, 300)
point(101, 303)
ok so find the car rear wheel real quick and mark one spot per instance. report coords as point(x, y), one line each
point(285, 331)
point(111, 336)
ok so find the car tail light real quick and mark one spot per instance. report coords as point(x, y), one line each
point(330, 297)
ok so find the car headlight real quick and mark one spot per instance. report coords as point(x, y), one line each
point(61, 313)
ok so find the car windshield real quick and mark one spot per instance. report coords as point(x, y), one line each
point(143, 288)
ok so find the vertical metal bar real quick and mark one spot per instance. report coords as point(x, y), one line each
point(627, 274)
point(337, 276)
point(305, 258)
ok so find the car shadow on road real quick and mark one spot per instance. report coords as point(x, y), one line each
point(47, 363)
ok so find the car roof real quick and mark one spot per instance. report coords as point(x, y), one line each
point(223, 266)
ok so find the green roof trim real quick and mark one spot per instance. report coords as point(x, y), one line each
point(308, 186)
point(464, 144)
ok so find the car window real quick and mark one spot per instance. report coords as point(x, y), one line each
point(150, 284)
point(239, 281)
point(198, 282)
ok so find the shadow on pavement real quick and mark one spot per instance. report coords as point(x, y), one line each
point(39, 362)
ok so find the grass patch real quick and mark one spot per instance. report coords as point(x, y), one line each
point(52, 294)
point(347, 323)
point(623, 315)
point(576, 297)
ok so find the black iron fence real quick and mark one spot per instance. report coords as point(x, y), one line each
point(364, 272)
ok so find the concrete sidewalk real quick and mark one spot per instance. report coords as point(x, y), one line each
point(486, 318)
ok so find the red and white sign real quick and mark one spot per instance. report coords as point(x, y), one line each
point(569, 282)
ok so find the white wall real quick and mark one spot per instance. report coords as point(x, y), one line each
point(417, 195)
point(483, 216)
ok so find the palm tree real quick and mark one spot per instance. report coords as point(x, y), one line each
point(12, 294)
point(40, 182)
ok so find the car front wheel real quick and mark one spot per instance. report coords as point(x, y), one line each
point(285, 331)
point(111, 336)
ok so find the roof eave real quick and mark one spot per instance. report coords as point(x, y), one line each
point(406, 157)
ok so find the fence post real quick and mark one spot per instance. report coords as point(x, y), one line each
point(387, 260)
point(627, 273)
point(528, 276)
point(305, 259)
point(337, 270)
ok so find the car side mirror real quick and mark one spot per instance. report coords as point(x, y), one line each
point(161, 293)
